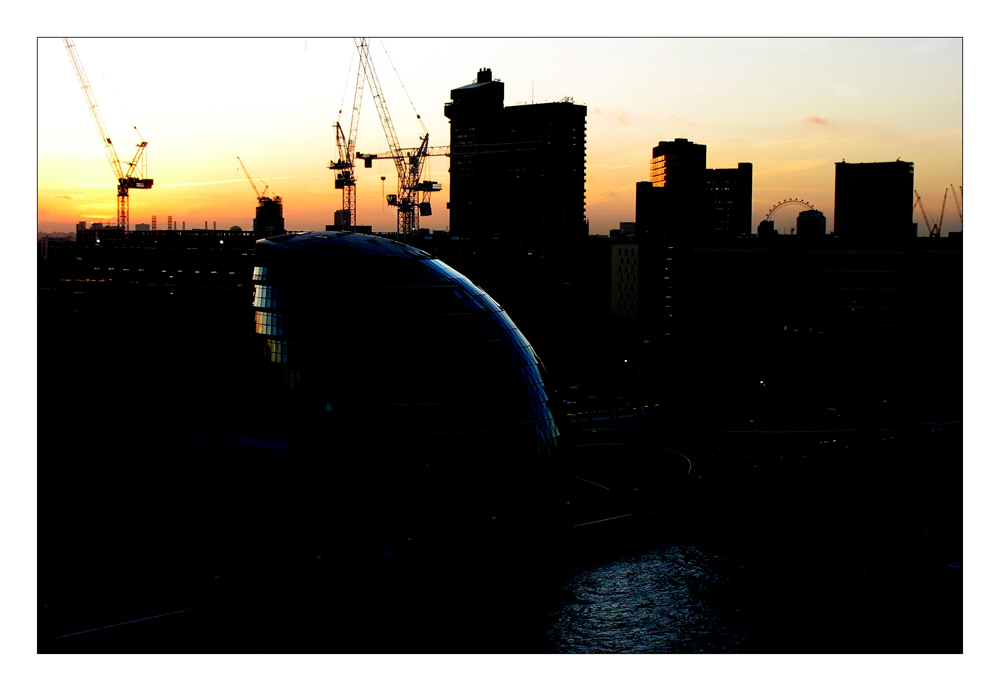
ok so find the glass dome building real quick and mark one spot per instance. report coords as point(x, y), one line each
point(374, 345)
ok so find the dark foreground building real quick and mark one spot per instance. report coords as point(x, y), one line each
point(342, 537)
point(439, 363)
point(874, 200)
point(400, 376)
point(788, 327)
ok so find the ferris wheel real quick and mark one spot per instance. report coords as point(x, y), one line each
point(786, 203)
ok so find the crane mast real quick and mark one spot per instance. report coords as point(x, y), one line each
point(345, 164)
point(127, 178)
point(927, 223)
point(937, 228)
point(933, 231)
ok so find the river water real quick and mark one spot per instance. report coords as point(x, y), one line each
point(666, 599)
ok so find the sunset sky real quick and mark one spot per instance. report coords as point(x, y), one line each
point(792, 107)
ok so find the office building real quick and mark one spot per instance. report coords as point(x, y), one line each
point(684, 199)
point(874, 200)
point(625, 280)
point(517, 172)
point(678, 164)
point(730, 200)
point(683, 204)
point(547, 181)
point(673, 203)
point(477, 186)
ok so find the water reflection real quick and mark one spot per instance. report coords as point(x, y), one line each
point(669, 599)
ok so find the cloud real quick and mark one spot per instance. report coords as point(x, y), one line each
point(821, 122)
point(68, 196)
point(619, 115)
point(614, 192)
point(674, 117)
point(210, 182)
point(243, 180)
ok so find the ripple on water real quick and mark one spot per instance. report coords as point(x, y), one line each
point(669, 599)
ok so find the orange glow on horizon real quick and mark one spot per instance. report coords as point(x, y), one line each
point(791, 107)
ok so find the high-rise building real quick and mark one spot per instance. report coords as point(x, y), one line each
point(269, 219)
point(516, 170)
point(679, 163)
point(873, 200)
point(625, 280)
point(547, 181)
point(477, 191)
point(730, 200)
point(673, 203)
point(683, 205)
point(684, 198)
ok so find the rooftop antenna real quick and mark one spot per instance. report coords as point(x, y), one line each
point(532, 90)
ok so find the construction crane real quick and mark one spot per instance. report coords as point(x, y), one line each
point(935, 230)
point(345, 164)
point(269, 218)
point(261, 196)
point(958, 204)
point(425, 188)
point(455, 150)
point(413, 195)
point(920, 203)
point(409, 166)
point(133, 174)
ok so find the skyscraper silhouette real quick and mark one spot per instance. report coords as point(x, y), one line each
point(516, 172)
point(873, 200)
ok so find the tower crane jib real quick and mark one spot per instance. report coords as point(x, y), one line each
point(923, 211)
point(958, 202)
point(134, 175)
point(409, 163)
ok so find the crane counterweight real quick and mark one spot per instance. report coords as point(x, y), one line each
point(132, 176)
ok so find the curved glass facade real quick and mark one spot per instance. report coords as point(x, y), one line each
point(378, 342)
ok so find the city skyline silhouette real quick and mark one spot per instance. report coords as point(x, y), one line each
point(792, 107)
